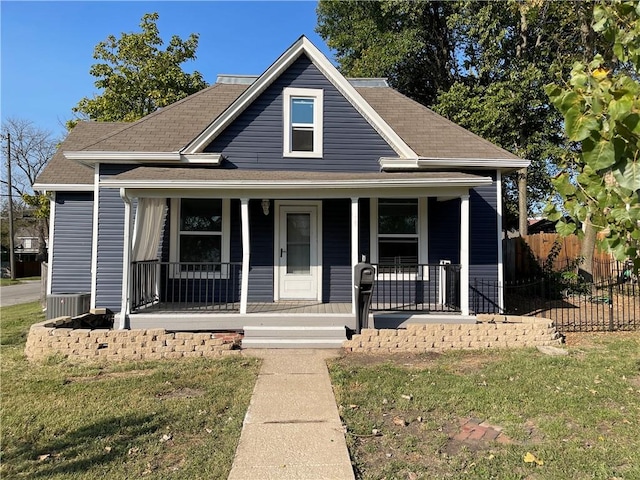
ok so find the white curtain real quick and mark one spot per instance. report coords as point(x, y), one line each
point(148, 228)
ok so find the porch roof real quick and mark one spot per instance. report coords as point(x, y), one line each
point(147, 177)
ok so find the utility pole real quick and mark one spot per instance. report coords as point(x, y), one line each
point(12, 258)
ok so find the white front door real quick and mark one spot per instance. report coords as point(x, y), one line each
point(298, 252)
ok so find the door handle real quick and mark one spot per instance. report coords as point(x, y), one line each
point(282, 251)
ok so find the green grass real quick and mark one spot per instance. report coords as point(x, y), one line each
point(4, 282)
point(579, 414)
point(163, 419)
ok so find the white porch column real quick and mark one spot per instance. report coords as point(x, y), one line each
point(464, 254)
point(355, 226)
point(246, 255)
point(126, 261)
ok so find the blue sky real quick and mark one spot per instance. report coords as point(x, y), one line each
point(47, 47)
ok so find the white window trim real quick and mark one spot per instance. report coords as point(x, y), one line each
point(423, 241)
point(317, 95)
point(174, 242)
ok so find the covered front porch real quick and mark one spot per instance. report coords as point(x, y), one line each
point(244, 286)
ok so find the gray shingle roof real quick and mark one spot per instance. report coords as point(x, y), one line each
point(60, 170)
point(173, 127)
point(427, 133)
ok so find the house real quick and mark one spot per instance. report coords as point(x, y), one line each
point(249, 203)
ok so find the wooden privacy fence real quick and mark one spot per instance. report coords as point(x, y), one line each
point(524, 256)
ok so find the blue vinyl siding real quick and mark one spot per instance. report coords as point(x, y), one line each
point(72, 242)
point(255, 139)
point(336, 251)
point(110, 241)
point(261, 244)
point(483, 248)
point(110, 248)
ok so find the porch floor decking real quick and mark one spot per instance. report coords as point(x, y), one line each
point(282, 307)
point(292, 307)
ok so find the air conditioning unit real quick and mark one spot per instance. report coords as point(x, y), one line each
point(68, 304)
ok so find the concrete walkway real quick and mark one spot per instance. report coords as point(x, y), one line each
point(292, 429)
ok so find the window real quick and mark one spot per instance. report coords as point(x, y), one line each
point(200, 242)
point(398, 243)
point(302, 122)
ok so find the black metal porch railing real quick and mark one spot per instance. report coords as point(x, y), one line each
point(574, 306)
point(194, 286)
point(418, 287)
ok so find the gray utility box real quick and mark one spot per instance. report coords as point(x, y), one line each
point(68, 304)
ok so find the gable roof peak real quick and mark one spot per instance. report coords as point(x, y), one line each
point(302, 46)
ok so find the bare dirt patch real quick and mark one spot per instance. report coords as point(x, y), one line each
point(410, 360)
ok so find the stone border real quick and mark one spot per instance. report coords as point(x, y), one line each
point(54, 336)
point(490, 331)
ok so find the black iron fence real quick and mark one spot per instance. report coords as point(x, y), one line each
point(575, 306)
point(417, 287)
point(185, 286)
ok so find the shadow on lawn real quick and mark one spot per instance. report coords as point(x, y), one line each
point(68, 451)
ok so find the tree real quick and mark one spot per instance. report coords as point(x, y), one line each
point(31, 149)
point(136, 77)
point(408, 42)
point(494, 59)
point(600, 104)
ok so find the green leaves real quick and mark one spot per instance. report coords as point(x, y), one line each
point(136, 77)
point(598, 154)
point(601, 108)
point(628, 175)
point(579, 124)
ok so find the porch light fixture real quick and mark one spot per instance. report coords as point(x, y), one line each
point(265, 206)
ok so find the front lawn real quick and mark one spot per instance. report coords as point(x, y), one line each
point(163, 419)
point(557, 417)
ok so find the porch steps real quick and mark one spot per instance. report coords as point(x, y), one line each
point(293, 336)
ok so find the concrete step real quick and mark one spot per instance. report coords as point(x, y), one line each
point(291, 343)
point(293, 336)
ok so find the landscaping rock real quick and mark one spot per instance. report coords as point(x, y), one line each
point(553, 351)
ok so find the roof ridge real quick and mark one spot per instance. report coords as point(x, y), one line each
point(458, 127)
point(128, 125)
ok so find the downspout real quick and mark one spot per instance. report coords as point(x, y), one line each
point(52, 219)
point(126, 262)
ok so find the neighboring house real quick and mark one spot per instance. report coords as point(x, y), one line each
point(256, 197)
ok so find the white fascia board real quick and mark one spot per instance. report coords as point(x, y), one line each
point(90, 158)
point(302, 45)
point(388, 163)
point(262, 185)
point(63, 187)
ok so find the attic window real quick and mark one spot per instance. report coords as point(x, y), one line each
point(302, 122)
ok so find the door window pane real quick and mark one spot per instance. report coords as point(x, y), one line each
point(298, 243)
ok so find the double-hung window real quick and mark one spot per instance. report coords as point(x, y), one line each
point(398, 235)
point(200, 242)
point(302, 114)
